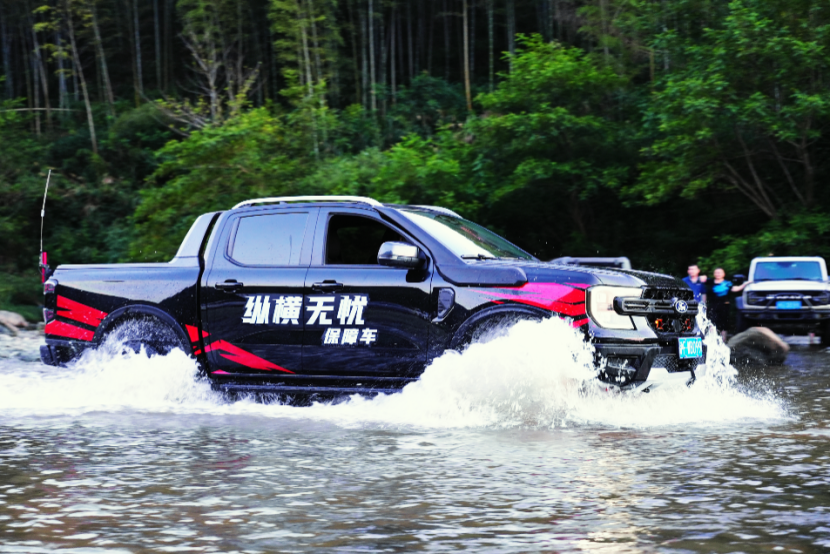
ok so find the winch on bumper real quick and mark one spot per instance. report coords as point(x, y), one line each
point(642, 367)
point(664, 319)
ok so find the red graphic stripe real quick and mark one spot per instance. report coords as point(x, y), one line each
point(79, 312)
point(579, 322)
point(561, 299)
point(193, 333)
point(236, 354)
point(62, 329)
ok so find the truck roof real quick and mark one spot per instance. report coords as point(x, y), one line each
point(340, 199)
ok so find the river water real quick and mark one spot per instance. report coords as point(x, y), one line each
point(502, 448)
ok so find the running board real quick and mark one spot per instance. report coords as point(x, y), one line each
point(287, 389)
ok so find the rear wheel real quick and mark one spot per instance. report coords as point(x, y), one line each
point(143, 333)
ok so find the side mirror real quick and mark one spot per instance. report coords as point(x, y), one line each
point(738, 279)
point(400, 254)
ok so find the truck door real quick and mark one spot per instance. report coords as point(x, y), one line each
point(252, 294)
point(363, 319)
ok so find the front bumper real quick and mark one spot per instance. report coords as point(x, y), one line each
point(646, 366)
point(781, 318)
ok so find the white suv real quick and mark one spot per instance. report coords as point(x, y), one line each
point(787, 294)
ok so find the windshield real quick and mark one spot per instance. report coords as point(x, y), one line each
point(465, 238)
point(788, 271)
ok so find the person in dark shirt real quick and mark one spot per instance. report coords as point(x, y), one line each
point(696, 282)
point(717, 300)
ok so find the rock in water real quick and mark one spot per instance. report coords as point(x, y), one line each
point(12, 321)
point(758, 345)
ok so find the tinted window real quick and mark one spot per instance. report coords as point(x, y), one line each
point(786, 271)
point(274, 239)
point(355, 240)
point(465, 238)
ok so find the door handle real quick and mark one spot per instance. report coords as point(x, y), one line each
point(230, 285)
point(327, 286)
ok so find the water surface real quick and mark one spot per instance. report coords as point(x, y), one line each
point(499, 449)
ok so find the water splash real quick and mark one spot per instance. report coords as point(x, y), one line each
point(534, 374)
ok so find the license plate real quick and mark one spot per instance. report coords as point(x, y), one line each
point(690, 348)
point(788, 304)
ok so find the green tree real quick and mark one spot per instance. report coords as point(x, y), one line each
point(745, 109)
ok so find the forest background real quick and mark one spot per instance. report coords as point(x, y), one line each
point(666, 131)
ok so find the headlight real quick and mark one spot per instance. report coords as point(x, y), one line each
point(601, 306)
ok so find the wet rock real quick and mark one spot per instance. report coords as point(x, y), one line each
point(758, 346)
point(12, 321)
point(24, 346)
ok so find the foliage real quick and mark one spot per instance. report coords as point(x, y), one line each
point(664, 131)
point(745, 110)
point(799, 234)
point(254, 154)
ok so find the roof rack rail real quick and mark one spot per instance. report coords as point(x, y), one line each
point(440, 209)
point(284, 199)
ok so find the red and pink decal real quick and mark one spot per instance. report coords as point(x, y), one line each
point(76, 311)
point(566, 300)
point(231, 352)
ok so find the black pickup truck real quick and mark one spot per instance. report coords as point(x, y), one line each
point(343, 295)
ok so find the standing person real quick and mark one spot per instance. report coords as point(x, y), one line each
point(696, 282)
point(717, 300)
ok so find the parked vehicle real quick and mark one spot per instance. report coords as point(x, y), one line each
point(620, 262)
point(342, 295)
point(787, 294)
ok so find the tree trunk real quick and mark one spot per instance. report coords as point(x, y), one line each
point(168, 16)
point(40, 69)
point(372, 79)
point(157, 36)
point(384, 51)
point(80, 72)
point(467, 60)
point(491, 46)
point(473, 38)
point(99, 49)
point(365, 51)
point(430, 38)
point(446, 41)
point(5, 46)
point(355, 57)
point(137, 38)
point(511, 31)
point(63, 100)
point(409, 40)
point(309, 79)
point(392, 55)
point(30, 90)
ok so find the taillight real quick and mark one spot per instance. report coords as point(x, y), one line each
point(49, 286)
point(48, 315)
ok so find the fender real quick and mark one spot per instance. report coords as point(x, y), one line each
point(495, 314)
point(140, 309)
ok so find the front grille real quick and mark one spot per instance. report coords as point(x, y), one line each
point(659, 293)
point(808, 298)
point(660, 307)
point(673, 364)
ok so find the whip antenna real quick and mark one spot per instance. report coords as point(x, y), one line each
point(43, 256)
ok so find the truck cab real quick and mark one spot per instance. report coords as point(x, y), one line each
point(787, 294)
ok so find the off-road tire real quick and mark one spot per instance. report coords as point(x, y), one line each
point(145, 333)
